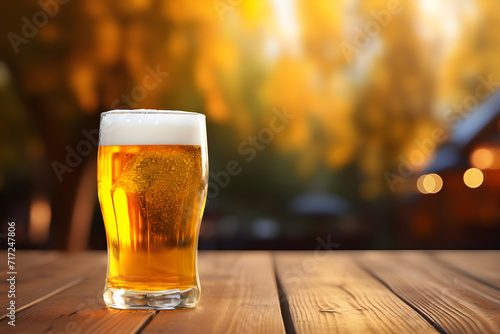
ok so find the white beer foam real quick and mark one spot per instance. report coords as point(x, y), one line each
point(152, 127)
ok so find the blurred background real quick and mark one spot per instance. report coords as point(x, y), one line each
point(359, 124)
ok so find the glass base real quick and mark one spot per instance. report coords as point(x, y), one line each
point(151, 300)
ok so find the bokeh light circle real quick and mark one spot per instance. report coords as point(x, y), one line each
point(430, 183)
point(473, 177)
point(482, 158)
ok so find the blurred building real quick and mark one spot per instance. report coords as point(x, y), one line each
point(459, 204)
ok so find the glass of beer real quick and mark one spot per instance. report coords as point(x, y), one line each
point(152, 174)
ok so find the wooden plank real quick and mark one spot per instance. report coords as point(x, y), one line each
point(25, 259)
point(484, 265)
point(79, 309)
point(239, 295)
point(38, 281)
point(330, 293)
point(451, 301)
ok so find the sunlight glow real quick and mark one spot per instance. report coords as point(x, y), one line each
point(288, 24)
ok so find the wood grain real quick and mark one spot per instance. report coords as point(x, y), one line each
point(79, 309)
point(48, 277)
point(26, 259)
point(239, 295)
point(485, 265)
point(341, 292)
point(329, 293)
point(451, 301)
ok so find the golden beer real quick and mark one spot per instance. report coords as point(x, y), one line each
point(152, 199)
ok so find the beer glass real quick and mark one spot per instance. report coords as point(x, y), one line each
point(152, 173)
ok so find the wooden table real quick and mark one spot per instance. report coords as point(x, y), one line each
point(271, 292)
